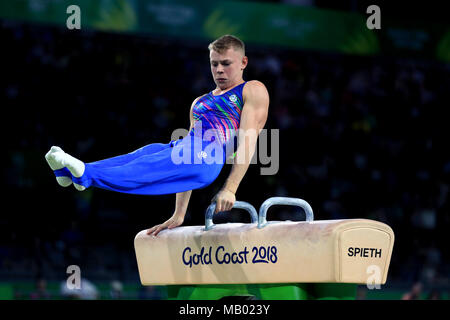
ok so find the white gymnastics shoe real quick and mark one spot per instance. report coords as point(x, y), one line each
point(56, 165)
point(60, 159)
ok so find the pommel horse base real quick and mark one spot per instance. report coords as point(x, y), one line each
point(269, 260)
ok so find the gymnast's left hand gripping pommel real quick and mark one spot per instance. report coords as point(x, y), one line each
point(237, 205)
point(224, 199)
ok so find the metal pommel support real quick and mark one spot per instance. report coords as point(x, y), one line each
point(237, 205)
point(262, 222)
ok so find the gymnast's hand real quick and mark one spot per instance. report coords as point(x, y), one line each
point(173, 222)
point(225, 200)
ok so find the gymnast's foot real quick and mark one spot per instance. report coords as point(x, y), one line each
point(54, 165)
point(60, 159)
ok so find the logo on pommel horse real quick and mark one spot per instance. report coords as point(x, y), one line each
point(221, 255)
point(364, 252)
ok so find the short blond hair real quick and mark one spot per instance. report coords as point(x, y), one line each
point(226, 42)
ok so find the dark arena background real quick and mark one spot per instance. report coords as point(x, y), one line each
point(362, 115)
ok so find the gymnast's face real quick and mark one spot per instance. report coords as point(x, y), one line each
point(227, 67)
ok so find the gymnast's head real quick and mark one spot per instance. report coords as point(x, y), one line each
point(228, 61)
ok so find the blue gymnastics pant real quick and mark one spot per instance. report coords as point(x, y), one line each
point(151, 170)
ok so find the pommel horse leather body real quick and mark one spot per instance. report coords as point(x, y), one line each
point(328, 251)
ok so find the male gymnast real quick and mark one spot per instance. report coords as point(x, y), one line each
point(234, 107)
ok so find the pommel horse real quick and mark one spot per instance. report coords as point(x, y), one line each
point(322, 259)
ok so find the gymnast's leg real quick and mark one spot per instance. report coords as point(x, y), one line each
point(65, 167)
point(149, 170)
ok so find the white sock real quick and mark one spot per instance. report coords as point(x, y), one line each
point(60, 159)
point(54, 165)
point(76, 168)
point(79, 187)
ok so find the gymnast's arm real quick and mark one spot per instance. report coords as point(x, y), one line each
point(253, 118)
point(181, 202)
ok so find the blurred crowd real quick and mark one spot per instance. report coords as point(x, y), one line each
point(360, 137)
